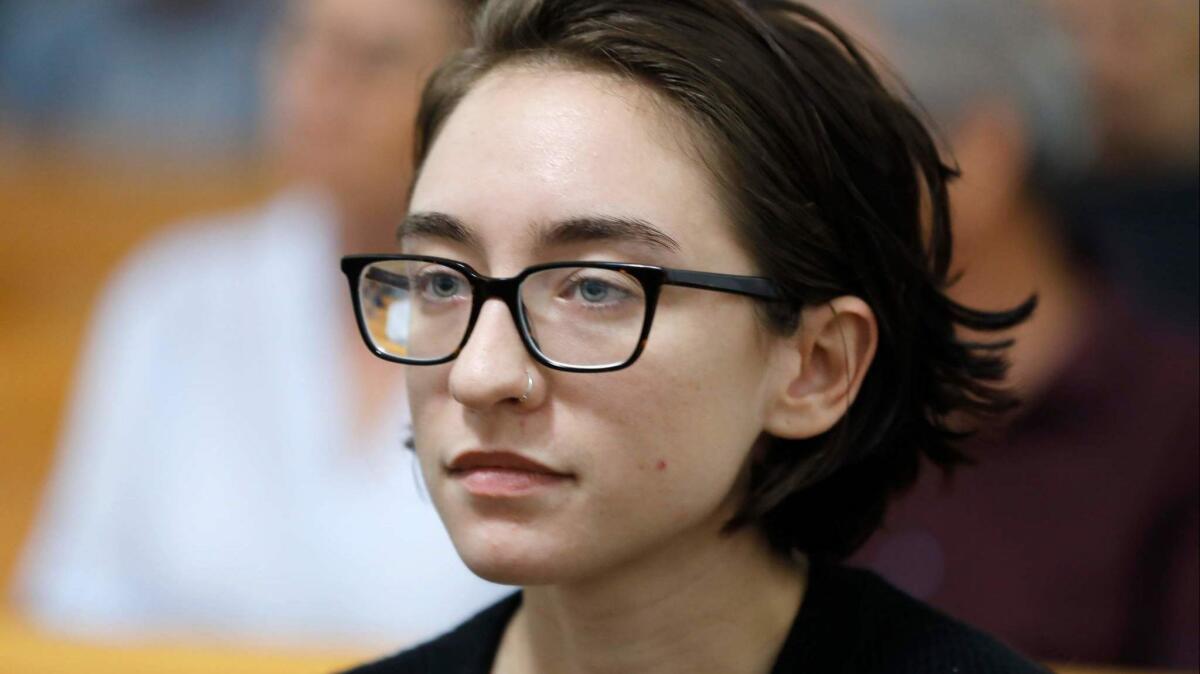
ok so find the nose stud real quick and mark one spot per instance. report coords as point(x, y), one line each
point(524, 396)
point(528, 387)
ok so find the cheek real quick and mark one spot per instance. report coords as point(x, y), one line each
point(682, 418)
point(667, 435)
point(428, 401)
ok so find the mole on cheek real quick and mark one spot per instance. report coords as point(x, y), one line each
point(661, 465)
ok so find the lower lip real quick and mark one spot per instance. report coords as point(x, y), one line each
point(501, 482)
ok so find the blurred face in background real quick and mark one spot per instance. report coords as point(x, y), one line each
point(346, 81)
point(1144, 59)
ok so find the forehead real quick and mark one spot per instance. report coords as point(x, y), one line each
point(532, 144)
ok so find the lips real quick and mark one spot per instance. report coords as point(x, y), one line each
point(499, 459)
point(503, 473)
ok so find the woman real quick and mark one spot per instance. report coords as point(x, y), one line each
point(716, 247)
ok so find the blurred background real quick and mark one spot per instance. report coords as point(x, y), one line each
point(143, 140)
point(202, 464)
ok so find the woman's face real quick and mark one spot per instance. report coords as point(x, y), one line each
point(651, 455)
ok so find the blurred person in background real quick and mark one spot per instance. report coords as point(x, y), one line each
point(233, 462)
point(129, 77)
point(1076, 538)
point(1141, 202)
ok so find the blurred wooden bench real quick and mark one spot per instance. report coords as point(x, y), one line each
point(24, 650)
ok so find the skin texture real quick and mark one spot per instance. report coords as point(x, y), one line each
point(627, 549)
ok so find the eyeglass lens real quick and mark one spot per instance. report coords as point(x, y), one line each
point(576, 316)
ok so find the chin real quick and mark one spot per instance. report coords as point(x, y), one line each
point(508, 573)
point(511, 554)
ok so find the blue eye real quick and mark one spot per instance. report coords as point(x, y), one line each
point(441, 285)
point(593, 290)
point(598, 292)
point(444, 286)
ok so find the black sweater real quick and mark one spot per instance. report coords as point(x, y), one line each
point(850, 622)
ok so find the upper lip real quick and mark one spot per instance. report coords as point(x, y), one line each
point(475, 459)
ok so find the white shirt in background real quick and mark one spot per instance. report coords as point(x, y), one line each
point(205, 481)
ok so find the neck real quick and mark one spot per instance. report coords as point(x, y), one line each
point(726, 607)
point(1026, 256)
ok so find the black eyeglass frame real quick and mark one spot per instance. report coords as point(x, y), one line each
point(484, 288)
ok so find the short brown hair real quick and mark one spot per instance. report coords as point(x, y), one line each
point(835, 187)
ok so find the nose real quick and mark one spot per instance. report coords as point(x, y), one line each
point(493, 367)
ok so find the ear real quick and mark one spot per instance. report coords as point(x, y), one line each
point(822, 368)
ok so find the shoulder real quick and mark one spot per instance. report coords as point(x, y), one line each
point(469, 649)
point(880, 629)
point(217, 256)
point(219, 243)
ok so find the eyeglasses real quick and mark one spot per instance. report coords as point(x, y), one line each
point(572, 316)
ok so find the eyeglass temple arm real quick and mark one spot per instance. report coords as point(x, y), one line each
point(753, 286)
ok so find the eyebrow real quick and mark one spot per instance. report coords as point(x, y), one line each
point(606, 228)
point(438, 226)
point(571, 230)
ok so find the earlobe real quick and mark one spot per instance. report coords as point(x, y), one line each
point(827, 362)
